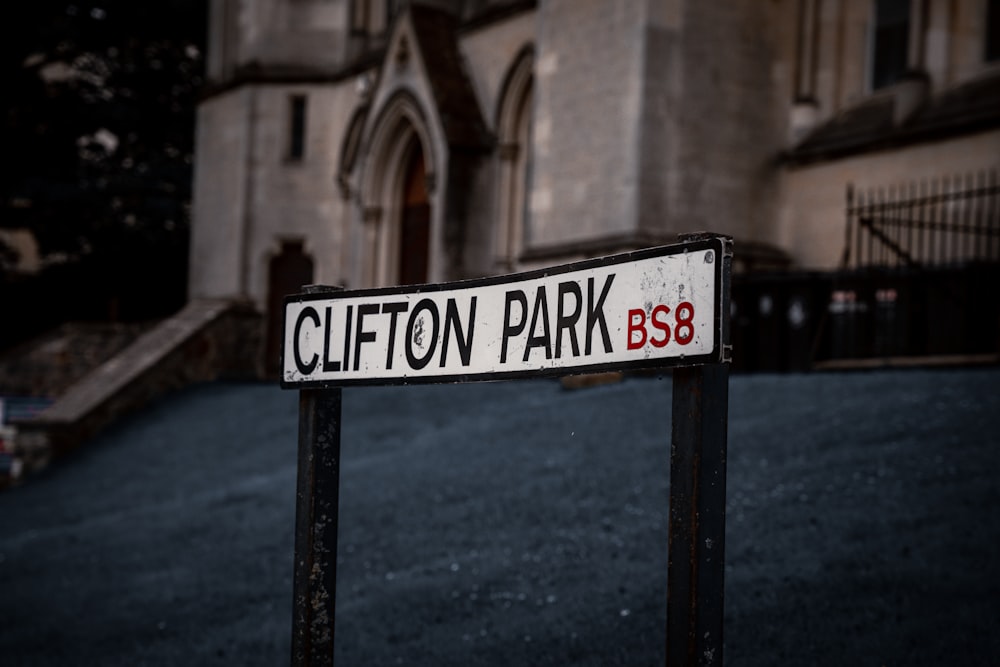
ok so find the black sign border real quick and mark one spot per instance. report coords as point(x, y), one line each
point(720, 244)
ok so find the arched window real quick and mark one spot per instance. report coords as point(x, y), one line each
point(889, 42)
point(991, 32)
point(514, 123)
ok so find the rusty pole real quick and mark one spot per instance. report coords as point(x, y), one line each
point(697, 523)
point(317, 497)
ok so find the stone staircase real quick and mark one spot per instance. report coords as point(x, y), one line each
point(206, 340)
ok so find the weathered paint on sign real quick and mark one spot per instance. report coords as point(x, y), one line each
point(654, 307)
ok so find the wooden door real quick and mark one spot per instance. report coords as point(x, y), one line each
point(415, 223)
point(288, 272)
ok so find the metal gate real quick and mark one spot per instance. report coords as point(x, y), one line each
point(919, 278)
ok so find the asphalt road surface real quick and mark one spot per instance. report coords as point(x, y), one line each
point(520, 523)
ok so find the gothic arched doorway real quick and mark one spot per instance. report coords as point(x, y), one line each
point(398, 197)
point(288, 272)
point(414, 221)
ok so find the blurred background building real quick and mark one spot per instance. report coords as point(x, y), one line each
point(378, 142)
point(851, 148)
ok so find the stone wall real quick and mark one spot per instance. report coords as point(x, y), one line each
point(206, 341)
point(47, 365)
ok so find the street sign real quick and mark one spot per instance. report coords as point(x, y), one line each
point(653, 307)
point(666, 306)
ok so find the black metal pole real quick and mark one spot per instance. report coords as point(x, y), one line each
point(697, 528)
point(697, 523)
point(316, 513)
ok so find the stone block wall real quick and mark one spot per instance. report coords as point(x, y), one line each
point(206, 341)
point(47, 365)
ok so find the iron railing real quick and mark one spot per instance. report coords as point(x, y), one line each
point(953, 220)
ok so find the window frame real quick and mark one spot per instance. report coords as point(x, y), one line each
point(888, 43)
point(991, 32)
point(298, 109)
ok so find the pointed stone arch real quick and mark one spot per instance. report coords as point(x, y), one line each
point(421, 102)
point(350, 149)
point(398, 133)
point(514, 116)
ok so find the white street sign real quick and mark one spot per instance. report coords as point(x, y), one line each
point(655, 307)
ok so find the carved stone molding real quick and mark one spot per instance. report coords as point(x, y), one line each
point(403, 52)
point(344, 185)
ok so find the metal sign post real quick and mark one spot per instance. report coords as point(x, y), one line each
point(652, 308)
point(317, 499)
point(697, 523)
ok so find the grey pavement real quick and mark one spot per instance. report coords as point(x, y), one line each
point(520, 523)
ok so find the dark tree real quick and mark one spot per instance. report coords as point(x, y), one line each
point(98, 139)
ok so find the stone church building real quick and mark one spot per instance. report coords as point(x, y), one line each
point(376, 142)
